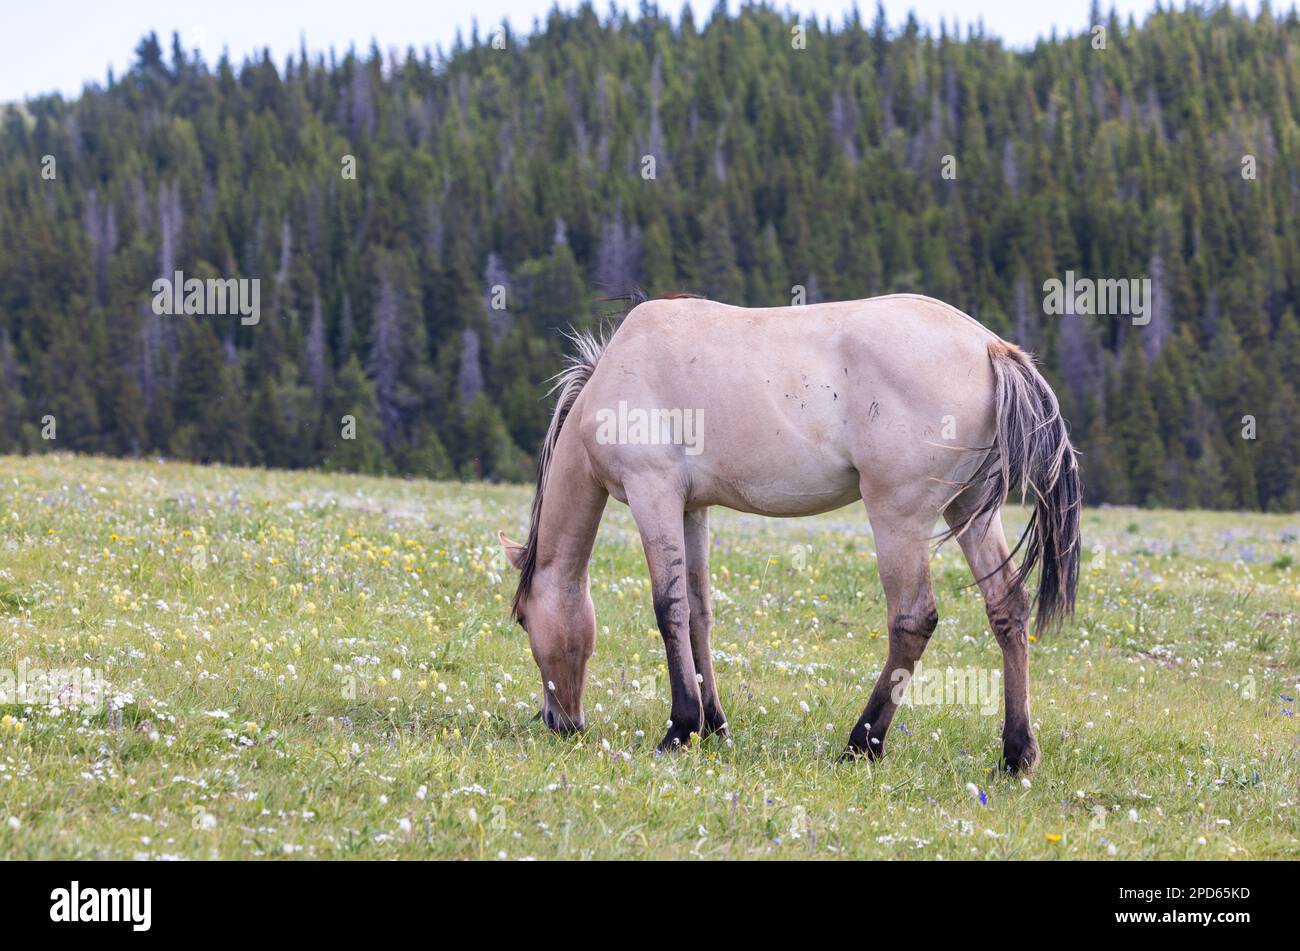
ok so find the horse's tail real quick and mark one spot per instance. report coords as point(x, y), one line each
point(1032, 452)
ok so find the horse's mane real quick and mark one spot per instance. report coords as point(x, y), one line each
point(577, 370)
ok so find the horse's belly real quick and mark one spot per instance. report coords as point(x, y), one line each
point(777, 487)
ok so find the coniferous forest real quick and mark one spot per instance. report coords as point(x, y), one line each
point(425, 225)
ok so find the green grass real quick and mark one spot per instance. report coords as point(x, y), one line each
point(318, 666)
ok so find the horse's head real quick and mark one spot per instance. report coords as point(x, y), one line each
point(561, 625)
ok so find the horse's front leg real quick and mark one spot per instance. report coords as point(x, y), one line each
point(659, 517)
point(697, 586)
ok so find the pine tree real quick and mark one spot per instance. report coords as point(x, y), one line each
point(771, 171)
point(350, 434)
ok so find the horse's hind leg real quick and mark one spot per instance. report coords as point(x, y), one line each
point(903, 556)
point(985, 545)
point(660, 517)
point(697, 587)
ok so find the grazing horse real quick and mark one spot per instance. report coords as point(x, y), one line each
point(901, 401)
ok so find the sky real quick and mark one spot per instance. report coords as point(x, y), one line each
point(58, 47)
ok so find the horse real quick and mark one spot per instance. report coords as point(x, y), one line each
point(902, 401)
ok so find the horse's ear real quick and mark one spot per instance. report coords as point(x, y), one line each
point(514, 551)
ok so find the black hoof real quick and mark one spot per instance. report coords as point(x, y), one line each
point(715, 726)
point(1019, 752)
point(863, 746)
point(678, 737)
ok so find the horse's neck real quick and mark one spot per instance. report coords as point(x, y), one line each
point(572, 505)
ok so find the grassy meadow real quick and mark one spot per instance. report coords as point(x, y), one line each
point(313, 666)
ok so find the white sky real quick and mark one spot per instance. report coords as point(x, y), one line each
point(58, 45)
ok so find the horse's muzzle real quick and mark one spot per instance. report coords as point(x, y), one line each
point(561, 723)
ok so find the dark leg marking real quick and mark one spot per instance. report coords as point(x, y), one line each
point(908, 635)
point(659, 517)
point(1008, 619)
point(715, 721)
point(684, 722)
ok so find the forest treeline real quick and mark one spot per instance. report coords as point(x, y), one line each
point(425, 225)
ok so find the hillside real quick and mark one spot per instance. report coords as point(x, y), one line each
point(423, 227)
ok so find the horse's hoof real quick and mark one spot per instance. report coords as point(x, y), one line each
point(874, 750)
point(1019, 753)
point(720, 730)
point(677, 738)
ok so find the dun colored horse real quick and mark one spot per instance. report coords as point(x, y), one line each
point(901, 401)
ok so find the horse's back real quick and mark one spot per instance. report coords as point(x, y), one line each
point(907, 329)
point(799, 408)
